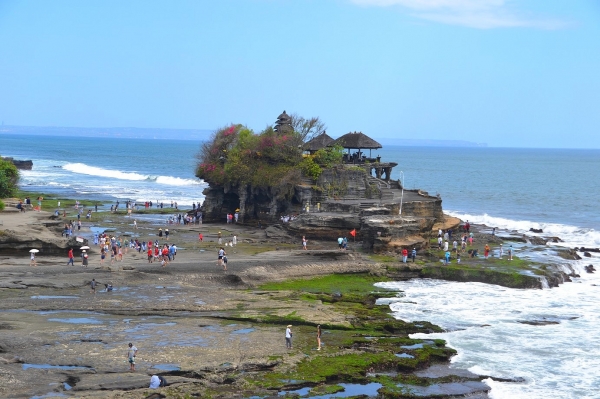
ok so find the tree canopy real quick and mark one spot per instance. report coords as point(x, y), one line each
point(235, 155)
point(9, 177)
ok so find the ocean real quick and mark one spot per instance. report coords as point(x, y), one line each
point(511, 189)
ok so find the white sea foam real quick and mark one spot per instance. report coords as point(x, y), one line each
point(571, 235)
point(557, 361)
point(84, 169)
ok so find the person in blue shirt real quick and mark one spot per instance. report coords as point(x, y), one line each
point(447, 257)
point(413, 254)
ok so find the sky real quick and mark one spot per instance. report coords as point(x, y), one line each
point(509, 73)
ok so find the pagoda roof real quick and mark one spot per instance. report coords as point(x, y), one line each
point(318, 142)
point(357, 140)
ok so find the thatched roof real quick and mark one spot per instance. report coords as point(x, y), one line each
point(316, 143)
point(357, 140)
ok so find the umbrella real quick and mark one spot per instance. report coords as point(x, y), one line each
point(34, 250)
point(85, 247)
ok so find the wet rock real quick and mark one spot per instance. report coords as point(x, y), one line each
point(587, 254)
point(536, 230)
point(590, 268)
point(584, 249)
point(537, 240)
point(538, 322)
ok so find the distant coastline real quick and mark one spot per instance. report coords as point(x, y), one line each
point(192, 134)
point(114, 132)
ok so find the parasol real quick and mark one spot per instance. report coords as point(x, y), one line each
point(34, 250)
point(85, 247)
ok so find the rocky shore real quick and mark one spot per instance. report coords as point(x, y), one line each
point(220, 333)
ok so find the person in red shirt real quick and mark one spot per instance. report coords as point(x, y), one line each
point(71, 257)
point(200, 237)
point(150, 256)
point(156, 252)
point(404, 255)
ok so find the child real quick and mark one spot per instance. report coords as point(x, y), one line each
point(224, 262)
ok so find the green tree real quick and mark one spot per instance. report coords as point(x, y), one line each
point(9, 177)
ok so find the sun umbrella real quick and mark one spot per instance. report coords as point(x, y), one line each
point(85, 247)
point(34, 250)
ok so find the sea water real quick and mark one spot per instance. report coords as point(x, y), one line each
point(511, 189)
point(109, 168)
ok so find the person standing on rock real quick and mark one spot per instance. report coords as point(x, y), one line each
point(160, 232)
point(93, 286)
point(304, 242)
point(500, 251)
point(84, 258)
point(404, 255)
point(131, 354)
point(219, 238)
point(319, 337)
point(413, 254)
point(288, 337)
point(445, 246)
point(32, 262)
point(510, 252)
point(486, 251)
point(167, 234)
point(71, 257)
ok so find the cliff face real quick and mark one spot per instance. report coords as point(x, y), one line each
point(344, 198)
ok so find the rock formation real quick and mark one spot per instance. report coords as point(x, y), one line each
point(344, 198)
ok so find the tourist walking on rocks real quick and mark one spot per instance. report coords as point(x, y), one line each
point(288, 337)
point(200, 237)
point(160, 232)
point(500, 252)
point(447, 258)
point(93, 286)
point(224, 260)
point(304, 241)
point(131, 354)
point(134, 224)
point(319, 337)
point(445, 246)
point(219, 238)
point(439, 242)
point(340, 242)
point(167, 234)
point(71, 258)
point(220, 256)
point(404, 255)
point(102, 255)
point(510, 252)
point(234, 240)
point(84, 258)
point(486, 251)
point(32, 261)
point(413, 254)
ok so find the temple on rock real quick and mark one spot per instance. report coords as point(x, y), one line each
point(357, 194)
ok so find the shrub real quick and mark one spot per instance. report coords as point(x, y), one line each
point(9, 176)
point(1, 205)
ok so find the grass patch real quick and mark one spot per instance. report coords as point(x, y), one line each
point(331, 284)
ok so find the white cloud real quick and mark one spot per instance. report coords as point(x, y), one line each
point(481, 14)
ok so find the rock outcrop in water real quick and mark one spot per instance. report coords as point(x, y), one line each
point(22, 165)
point(345, 198)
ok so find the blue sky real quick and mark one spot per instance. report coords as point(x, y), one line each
point(508, 73)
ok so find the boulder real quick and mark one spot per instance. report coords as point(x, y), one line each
point(537, 240)
point(536, 230)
